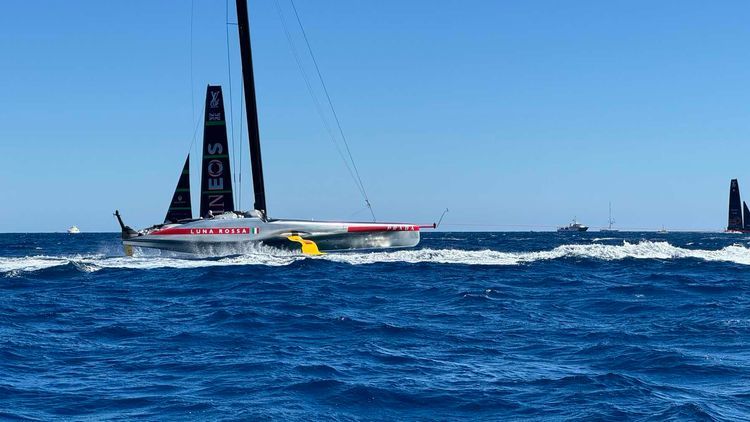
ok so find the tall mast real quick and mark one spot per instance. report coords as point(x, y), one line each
point(252, 108)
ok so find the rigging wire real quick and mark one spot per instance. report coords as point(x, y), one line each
point(333, 110)
point(190, 149)
point(192, 93)
point(310, 90)
point(231, 111)
point(242, 110)
point(352, 169)
point(195, 131)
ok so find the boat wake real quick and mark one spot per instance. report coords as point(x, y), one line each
point(643, 250)
point(274, 257)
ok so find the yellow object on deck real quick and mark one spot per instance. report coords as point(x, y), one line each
point(128, 250)
point(308, 246)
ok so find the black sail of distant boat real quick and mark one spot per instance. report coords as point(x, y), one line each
point(181, 208)
point(216, 176)
point(745, 216)
point(735, 207)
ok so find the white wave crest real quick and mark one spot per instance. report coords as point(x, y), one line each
point(91, 263)
point(272, 257)
point(643, 250)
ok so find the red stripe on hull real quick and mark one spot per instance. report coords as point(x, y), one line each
point(204, 231)
point(386, 228)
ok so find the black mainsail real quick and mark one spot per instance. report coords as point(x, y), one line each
point(735, 207)
point(181, 208)
point(216, 175)
point(745, 216)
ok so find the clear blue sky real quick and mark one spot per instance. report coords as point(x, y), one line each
point(518, 113)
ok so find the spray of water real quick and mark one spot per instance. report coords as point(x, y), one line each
point(264, 255)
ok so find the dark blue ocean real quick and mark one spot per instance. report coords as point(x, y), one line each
point(485, 326)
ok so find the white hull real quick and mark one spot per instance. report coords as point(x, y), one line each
point(227, 236)
point(573, 227)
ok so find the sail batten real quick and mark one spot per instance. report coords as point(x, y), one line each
point(181, 207)
point(735, 207)
point(216, 174)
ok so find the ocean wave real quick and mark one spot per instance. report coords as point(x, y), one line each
point(91, 263)
point(642, 250)
point(737, 254)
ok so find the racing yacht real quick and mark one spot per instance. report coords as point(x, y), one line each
point(222, 230)
point(739, 214)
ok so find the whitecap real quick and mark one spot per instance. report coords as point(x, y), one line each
point(274, 257)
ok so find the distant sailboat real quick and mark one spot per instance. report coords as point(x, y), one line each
point(74, 230)
point(734, 220)
point(610, 221)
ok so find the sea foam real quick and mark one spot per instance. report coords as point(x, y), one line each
point(273, 257)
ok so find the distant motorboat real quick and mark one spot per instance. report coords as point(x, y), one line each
point(74, 230)
point(662, 230)
point(574, 226)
